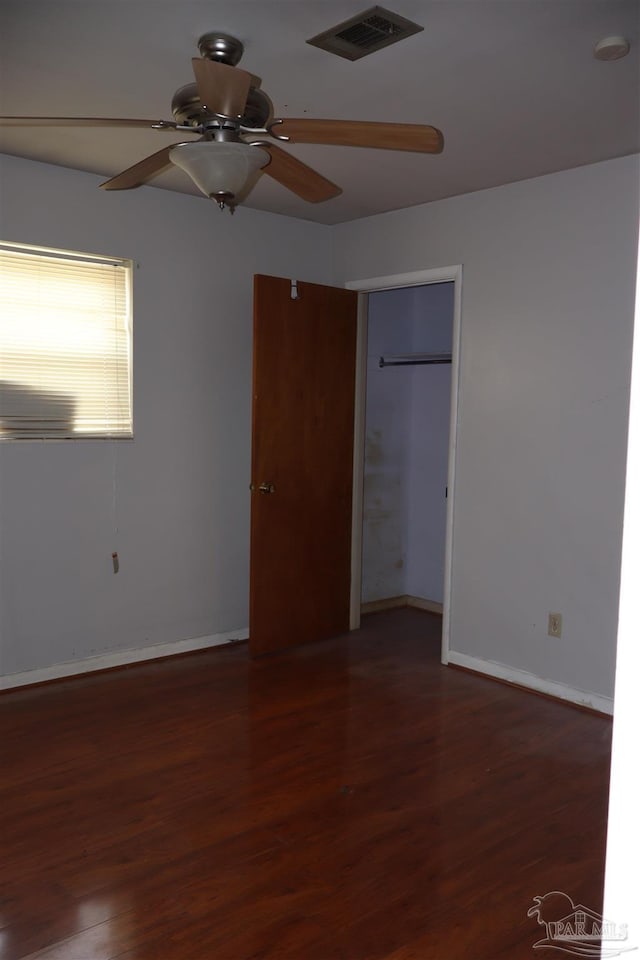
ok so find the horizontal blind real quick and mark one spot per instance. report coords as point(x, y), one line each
point(65, 345)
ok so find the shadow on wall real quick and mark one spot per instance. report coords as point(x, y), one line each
point(26, 411)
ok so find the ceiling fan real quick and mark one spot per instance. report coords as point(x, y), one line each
point(237, 129)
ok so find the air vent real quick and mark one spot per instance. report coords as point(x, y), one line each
point(369, 31)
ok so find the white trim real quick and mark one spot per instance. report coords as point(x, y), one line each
point(404, 600)
point(523, 678)
point(358, 463)
point(119, 658)
point(415, 279)
point(431, 606)
point(387, 603)
point(451, 482)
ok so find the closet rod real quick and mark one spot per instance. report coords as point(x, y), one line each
point(413, 359)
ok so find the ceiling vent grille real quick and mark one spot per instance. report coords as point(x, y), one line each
point(369, 31)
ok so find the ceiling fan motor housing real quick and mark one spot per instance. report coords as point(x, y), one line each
point(187, 108)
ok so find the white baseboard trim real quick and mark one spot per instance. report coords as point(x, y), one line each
point(388, 603)
point(523, 678)
point(119, 658)
point(404, 600)
point(431, 606)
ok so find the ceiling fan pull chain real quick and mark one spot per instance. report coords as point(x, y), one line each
point(294, 290)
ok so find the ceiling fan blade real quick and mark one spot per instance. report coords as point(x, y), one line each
point(140, 172)
point(298, 177)
point(223, 89)
point(414, 137)
point(84, 122)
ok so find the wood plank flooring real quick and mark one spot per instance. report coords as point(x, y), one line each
point(350, 800)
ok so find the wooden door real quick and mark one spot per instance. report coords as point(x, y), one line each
point(302, 455)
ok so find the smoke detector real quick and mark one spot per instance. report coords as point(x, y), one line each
point(611, 48)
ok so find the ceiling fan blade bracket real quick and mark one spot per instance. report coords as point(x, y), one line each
point(261, 132)
point(165, 125)
point(277, 136)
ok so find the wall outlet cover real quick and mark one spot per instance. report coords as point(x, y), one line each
point(554, 628)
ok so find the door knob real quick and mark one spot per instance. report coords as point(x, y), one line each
point(267, 487)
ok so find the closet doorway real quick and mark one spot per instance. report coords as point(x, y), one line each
point(405, 446)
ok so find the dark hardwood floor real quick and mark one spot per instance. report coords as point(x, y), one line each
point(352, 799)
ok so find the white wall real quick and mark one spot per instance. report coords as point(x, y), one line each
point(547, 310)
point(549, 270)
point(174, 502)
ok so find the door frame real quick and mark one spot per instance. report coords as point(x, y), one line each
point(364, 287)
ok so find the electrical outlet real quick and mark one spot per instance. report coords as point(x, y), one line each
point(555, 625)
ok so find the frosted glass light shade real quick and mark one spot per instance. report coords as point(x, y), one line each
point(219, 167)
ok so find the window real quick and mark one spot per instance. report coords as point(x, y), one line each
point(65, 344)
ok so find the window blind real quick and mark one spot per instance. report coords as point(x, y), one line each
point(65, 344)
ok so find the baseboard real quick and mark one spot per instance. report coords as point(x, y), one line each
point(404, 600)
point(529, 681)
point(389, 603)
point(119, 658)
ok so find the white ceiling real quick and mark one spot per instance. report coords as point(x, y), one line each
point(512, 84)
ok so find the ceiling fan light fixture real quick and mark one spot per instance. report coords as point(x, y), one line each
point(220, 169)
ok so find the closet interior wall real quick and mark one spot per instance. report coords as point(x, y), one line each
point(406, 445)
